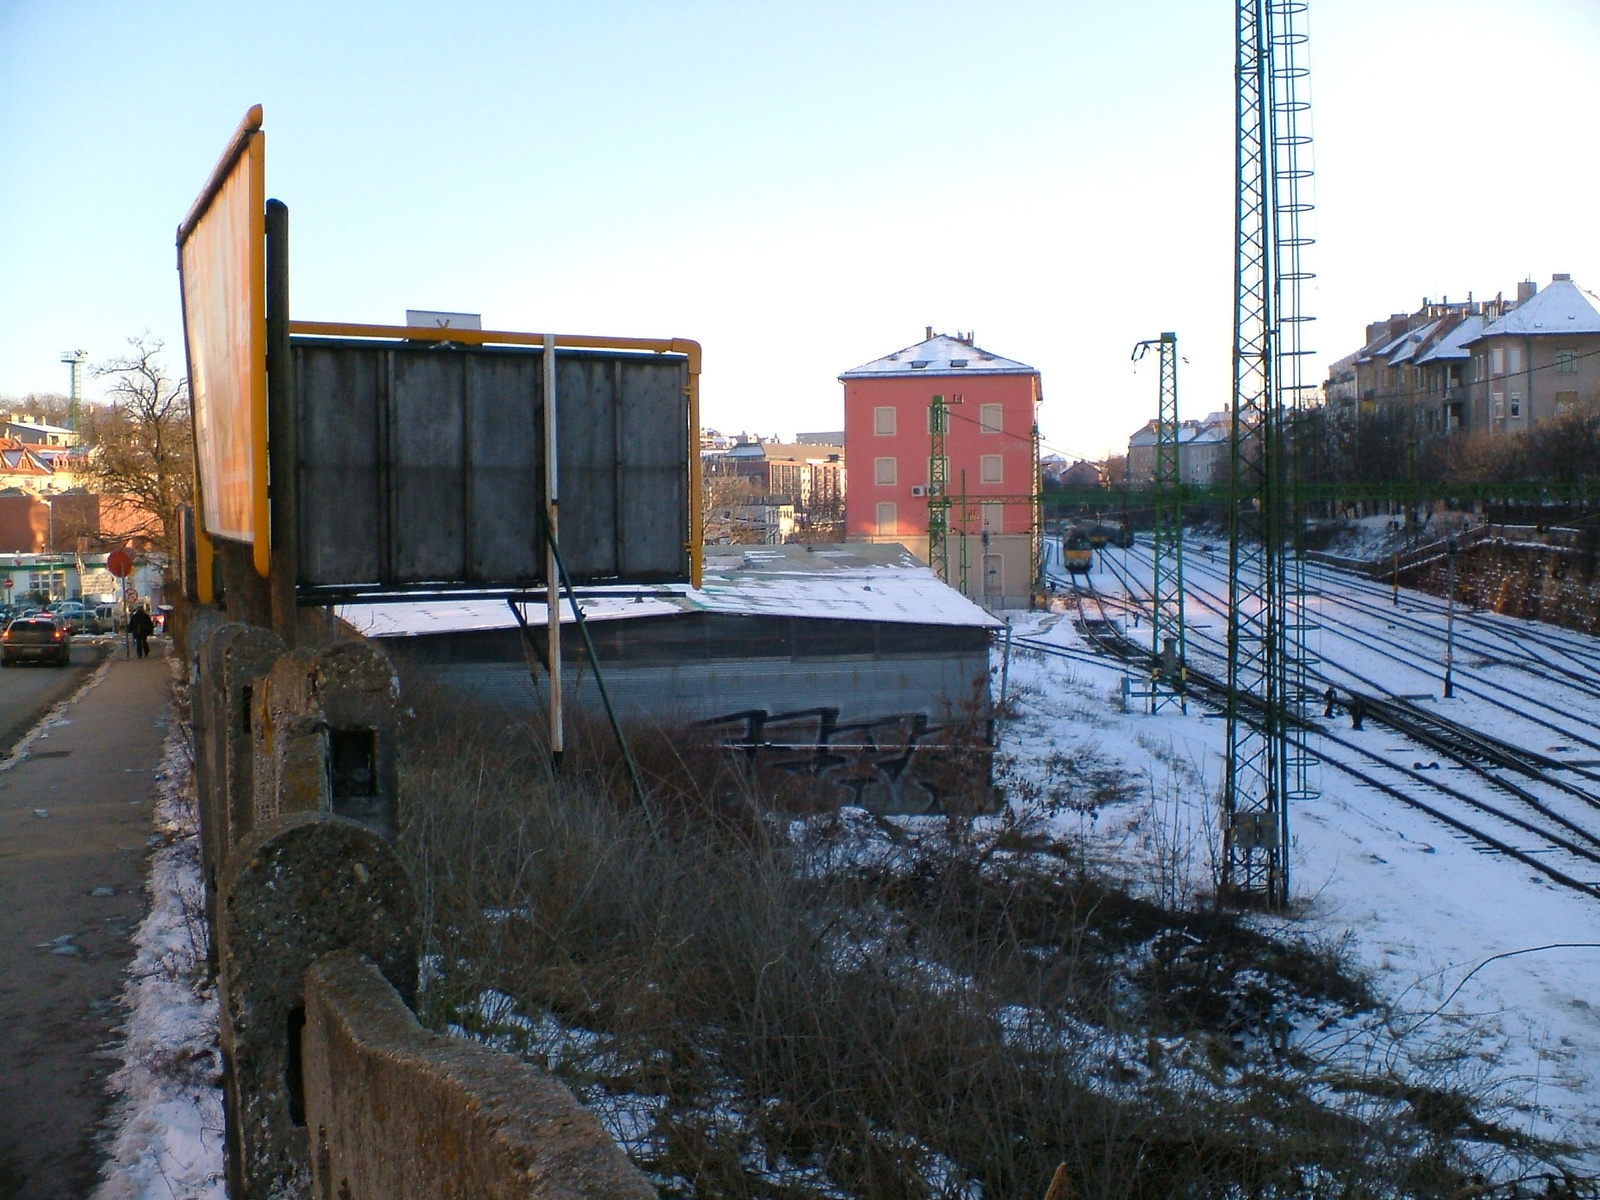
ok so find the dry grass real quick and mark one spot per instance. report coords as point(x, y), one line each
point(818, 1007)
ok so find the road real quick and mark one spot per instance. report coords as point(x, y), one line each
point(75, 825)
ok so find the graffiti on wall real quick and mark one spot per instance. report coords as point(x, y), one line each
point(895, 764)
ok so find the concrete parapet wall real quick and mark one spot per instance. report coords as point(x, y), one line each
point(399, 1113)
point(326, 736)
point(295, 889)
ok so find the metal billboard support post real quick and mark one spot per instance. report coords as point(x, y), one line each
point(280, 429)
point(552, 567)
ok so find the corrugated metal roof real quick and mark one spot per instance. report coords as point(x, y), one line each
point(1561, 308)
point(939, 355)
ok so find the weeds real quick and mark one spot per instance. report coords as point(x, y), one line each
point(826, 1006)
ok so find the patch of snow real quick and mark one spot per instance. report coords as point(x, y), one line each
point(165, 1133)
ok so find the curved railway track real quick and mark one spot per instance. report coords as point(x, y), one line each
point(1573, 845)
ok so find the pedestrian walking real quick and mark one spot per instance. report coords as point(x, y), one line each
point(1328, 699)
point(141, 626)
point(1358, 710)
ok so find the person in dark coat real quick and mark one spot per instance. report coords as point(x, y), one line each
point(1358, 710)
point(141, 626)
point(1329, 698)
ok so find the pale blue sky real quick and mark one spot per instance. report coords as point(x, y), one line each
point(800, 187)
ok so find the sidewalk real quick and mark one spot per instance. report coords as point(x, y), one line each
point(72, 880)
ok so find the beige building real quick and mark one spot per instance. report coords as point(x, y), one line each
point(1202, 452)
point(1497, 366)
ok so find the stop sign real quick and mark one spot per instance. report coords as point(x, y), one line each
point(120, 563)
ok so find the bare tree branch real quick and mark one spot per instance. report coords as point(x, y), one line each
point(143, 440)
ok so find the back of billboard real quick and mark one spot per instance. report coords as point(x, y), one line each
point(421, 465)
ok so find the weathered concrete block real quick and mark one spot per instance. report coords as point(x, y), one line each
point(327, 733)
point(228, 664)
point(293, 890)
point(399, 1113)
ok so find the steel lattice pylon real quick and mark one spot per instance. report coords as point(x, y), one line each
point(1267, 761)
point(1168, 637)
point(939, 490)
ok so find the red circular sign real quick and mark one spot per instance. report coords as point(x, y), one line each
point(120, 563)
point(10, 583)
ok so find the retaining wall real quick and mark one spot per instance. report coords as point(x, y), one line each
point(331, 1087)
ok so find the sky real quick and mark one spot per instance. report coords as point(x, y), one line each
point(800, 188)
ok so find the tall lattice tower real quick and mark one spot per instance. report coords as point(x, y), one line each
point(1168, 637)
point(1267, 763)
point(939, 492)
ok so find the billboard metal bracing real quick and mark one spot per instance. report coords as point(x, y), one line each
point(420, 463)
point(222, 272)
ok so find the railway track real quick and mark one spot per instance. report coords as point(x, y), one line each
point(1491, 825)
point(1567, 724)
point(1579, 648)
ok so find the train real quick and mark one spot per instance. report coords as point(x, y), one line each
point(1077, 552)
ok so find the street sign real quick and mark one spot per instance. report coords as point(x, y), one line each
point(10, 583)
point(119, 563)
point(130, 594)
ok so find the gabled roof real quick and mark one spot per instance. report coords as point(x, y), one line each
point(1412, 343)
point(1453, 345)
point(1561, 308)
point(939, 355)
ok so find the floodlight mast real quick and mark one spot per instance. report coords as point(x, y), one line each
point(76, 359)
point(1268, 698)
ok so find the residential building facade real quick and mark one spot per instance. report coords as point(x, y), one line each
point(991, 468)
point(1499, 366)
point(1202, 452)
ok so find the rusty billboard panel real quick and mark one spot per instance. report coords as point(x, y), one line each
point(222, 270)
point(420, 466)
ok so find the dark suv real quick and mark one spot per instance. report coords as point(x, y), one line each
point(37, 637)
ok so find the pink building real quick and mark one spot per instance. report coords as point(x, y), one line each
point(992, 404)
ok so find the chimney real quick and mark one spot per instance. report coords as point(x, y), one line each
point(929, 336)
point(1526, 290)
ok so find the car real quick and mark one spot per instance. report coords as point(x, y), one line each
point(40, 637)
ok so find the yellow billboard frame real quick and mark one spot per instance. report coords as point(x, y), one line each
point(246, 151)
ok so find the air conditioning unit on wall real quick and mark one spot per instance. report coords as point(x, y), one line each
point(918, 490)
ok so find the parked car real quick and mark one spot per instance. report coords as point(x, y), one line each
point(80, 618)
point(41, 637)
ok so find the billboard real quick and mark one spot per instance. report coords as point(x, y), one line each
point(222, 274)
point(421, 465)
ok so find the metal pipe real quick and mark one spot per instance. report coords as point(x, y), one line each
point(552, 566)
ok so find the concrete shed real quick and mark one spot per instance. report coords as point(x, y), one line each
point(793, 649)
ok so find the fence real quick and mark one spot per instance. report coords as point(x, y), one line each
point(331, 1087)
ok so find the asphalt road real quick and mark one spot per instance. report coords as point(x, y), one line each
point(27, 692)
point(74, 839)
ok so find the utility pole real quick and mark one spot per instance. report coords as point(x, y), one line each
point(1168, 641)
point(1268, 762)
point(938, 490)
point(1451, 547)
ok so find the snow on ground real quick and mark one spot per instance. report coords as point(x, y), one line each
point(1424, 909)
point(165, 1135)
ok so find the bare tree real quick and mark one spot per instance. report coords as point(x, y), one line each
point(144, 441)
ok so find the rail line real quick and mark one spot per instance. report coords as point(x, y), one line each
point(1573, 839)
point(1426, 667)
point(1572, 644)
